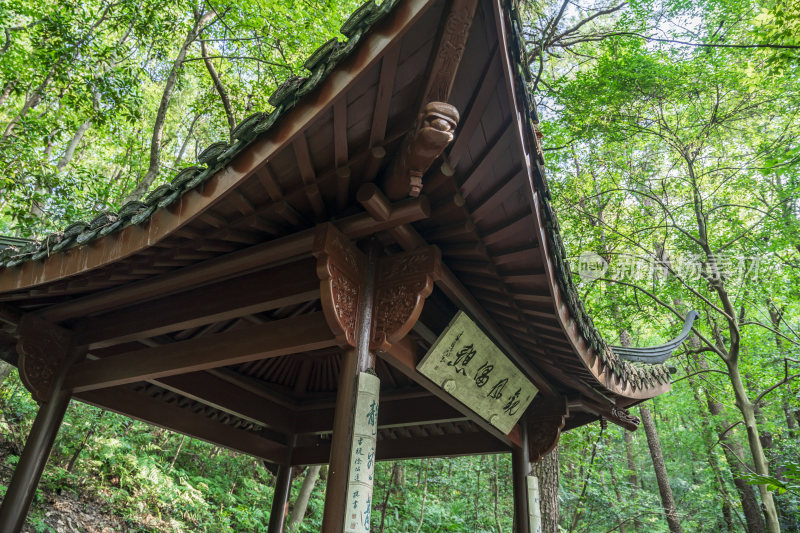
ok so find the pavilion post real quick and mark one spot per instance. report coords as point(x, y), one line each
point(280, 499)
point(521, 467)
point(348, 495)
point(26, 476)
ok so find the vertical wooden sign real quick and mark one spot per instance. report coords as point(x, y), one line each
point(534, 506)
point(362, 455)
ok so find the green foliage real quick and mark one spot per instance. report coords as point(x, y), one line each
point(103, 64)
point(646, 141)
point(790, 483)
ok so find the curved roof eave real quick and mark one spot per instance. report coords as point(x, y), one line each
point(85, 247)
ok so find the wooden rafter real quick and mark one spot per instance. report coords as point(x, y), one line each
point(215, 392)
point(414, 446)
point(152, 411)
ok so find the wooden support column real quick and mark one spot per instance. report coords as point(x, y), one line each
point(45, 352)
point(341, 442)
point(354, 362)
point(521, 467)
point(280, 499)
point(370, 303)
point(29, 469)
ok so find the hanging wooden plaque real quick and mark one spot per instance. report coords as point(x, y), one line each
point(467, 364)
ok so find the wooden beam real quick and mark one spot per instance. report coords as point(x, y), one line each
point(409, 239)
point(271, 339)
point(307, 174)
point(10, 314)
point(284, 285)
point(495, 148)
point(436, 119)
point(249, 259)
point(520, 468)
point(447, 58)
point(383, 97)
point(393, 413)
point(244, 260)
point(403, 356)
point(340, 152)
point(128, 403)
point(280, 499)
point(448, 445)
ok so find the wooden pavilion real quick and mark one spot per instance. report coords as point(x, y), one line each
point(259, 298)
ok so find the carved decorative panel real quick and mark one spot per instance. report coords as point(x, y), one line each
point(340, 268)
point(44, 351)
point(402, 282)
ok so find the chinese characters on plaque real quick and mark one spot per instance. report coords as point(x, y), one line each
point(362, 455)
point(470, 367)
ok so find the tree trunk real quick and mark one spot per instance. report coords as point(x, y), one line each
point(734, 455)
point(585, 474)
point(31, 102)
point(546, 471)
point(36, 97)
point(633, 477)
point(74, 459)
point(223, 95)
point(186, 140)
point(424, 496)
point(161, 116)
point(621, 521)
point(5, 370)
point(73, 144)
point(7, 92)
point(399, 474)
point(177, 453)
point(756, 449)
point(385, 506)
point(707, 431)
point(303, 497)
point(667, 501)
point(496, 495)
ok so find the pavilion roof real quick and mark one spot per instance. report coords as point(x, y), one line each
point(556, 333)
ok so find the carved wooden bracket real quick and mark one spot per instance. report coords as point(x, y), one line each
point(340, 268)
point(402, 282)
point(546, 418)
point(622, 417)
point(44, 354)
point(434, 130)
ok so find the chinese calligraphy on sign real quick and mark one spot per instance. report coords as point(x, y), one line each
point(362, 455)
point(534, 505)
point(467, 364)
